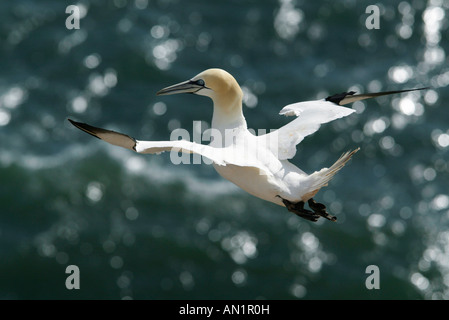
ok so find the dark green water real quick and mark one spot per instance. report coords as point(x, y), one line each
point(140, 227)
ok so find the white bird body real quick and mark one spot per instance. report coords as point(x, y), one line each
point(257, 164)
point(264, 175)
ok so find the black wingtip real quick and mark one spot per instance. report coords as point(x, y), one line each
point(84, 127)
point(75, 123)
point(425, 88)
point(349, 97)
point(336, 98)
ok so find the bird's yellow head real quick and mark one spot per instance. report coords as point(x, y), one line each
point(217, 84)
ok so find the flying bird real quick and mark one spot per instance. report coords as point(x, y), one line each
point(258, 164)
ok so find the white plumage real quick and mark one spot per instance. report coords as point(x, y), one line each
point(257, 164)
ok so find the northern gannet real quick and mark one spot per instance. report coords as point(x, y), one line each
point(257, 164)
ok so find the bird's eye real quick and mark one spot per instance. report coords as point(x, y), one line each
point(200, 82)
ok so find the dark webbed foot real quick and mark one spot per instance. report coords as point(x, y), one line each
point(319, 210)
point(298, 209)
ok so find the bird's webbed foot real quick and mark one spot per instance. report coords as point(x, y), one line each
point(298, 209)
point(319, 210)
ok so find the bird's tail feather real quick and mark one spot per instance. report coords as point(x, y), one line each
point(321, 178)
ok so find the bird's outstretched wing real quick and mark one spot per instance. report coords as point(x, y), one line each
point(310, 115)
point(220, 156)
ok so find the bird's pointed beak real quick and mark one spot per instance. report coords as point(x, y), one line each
point(188, 86)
